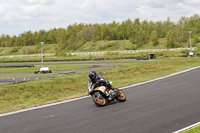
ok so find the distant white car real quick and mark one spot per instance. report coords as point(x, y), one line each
point(43, 70)
point(191, 54)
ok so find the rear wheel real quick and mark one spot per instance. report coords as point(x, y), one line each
point(98, 99)
point(121, 97)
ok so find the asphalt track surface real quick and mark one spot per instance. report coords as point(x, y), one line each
point(161, 106)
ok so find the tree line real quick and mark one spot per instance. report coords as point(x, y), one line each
point(138, 32)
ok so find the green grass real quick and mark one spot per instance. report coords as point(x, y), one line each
point(161, 45)
point(51, 67)
point(107, 56)
point(112, 45)
point(4, 68)
point(44, 91)
point(150, 70)
point(193, 130)
point(105, 46)
point(29, 76)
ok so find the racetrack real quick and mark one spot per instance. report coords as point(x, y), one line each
point(96, 66)
point(161, 106)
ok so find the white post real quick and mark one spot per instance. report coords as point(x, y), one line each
point(191, 53)
point(190, 40)
point(42, 56)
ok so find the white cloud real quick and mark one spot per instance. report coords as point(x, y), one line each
point(24, 15)
point(3, 8)
point(193, 1)
point(39, 2)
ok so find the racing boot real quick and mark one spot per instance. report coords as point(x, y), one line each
point(107, 94)
point(110, 98)
point(112, 95)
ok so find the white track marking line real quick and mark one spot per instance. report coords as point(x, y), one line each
point(187, 128)
point(39, 107)
point(160, 78)
point(43, 106)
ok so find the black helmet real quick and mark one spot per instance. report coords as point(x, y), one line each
point(92, 75)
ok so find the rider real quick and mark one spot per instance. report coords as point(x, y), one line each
point(97, 80)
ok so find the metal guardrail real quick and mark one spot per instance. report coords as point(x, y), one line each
point(130, 51)
point(29, 55)
point(101, 53)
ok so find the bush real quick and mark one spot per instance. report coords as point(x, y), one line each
point(197, 51)
point(177, 45)
point(106, 46)
point(15, 49)
point(160, 54)
point(60, 53)
point(131, 47)
point(196, 39)
point(185, 51)
point(144, 55)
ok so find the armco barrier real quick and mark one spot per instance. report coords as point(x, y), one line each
point(130, 51)
point(29, 55)
point(102, 52)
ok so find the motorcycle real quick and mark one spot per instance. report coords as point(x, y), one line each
point(102, 95)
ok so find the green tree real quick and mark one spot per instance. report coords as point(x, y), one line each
point(136, 33)
point(182, 30)
point(144, 35)
point(170, 41)
point(167, 26)
point(158, 28)
point(154, 38)
point(51, 36)
point(104, 31)
point(197, 51)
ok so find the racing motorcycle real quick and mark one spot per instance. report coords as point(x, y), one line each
point(102, 95)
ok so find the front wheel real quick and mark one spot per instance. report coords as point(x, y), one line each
point(98, 99)
point(121, 97)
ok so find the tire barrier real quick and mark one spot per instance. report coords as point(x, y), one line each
point(17, 65)
point(25, 79)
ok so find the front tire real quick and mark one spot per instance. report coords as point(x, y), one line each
point(121, 97)
point(99, 99)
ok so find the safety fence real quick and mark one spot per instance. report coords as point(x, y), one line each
point(131, 51)
point(102, 52)
point(28, 55)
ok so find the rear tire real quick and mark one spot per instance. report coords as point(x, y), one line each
point(99, 99)
point(121, 97)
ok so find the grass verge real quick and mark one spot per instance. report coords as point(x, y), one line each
point(193, 130)
point(107, 56)
point(51, 67)
point(44, 91)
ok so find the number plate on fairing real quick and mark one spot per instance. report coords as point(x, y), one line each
point(101, 88)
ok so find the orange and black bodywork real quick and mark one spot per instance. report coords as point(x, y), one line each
point(102, 95)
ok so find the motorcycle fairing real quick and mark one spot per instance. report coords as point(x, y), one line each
point(101, 88)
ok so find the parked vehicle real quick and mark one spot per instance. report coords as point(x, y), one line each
point(43, 70)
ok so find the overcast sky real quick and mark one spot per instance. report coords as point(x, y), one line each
point(17, 16)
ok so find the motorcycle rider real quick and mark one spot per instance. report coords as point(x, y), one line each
point(98, 80)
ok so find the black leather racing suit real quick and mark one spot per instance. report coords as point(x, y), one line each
point(98, 81)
